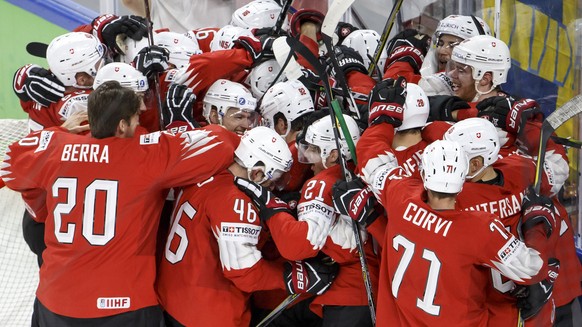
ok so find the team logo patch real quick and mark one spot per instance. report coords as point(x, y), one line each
point(242, 101)
point(113, 303)
point(512, 246)
point(152, 138)
point(45, 139)
point(239, 232)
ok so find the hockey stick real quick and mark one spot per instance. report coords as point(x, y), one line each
point(277, 311)
point(156, 76)
point(572, 143)
point(550, 124)
point(338, 122)
point(37, 49)
point(281, 18)
point(385, 34)
point(497, 19)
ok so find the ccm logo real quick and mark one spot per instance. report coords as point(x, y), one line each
point(386, 107)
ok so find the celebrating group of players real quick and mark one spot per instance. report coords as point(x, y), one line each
point(191, 182)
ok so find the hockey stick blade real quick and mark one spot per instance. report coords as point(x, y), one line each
point(333, 16)
point(37, 49)
point(282, 51)
point(277, 311)
point(550, 124)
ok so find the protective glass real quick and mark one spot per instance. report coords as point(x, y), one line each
point(243, 117)
point(457, 70)
point(308, 153)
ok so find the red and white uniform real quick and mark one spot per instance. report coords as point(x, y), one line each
point(101, 200)
point(211, 263)
point(203, 36)
point(295, 240)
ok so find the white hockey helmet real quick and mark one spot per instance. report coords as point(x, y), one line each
point(180, 46)
point(225, 37)
point(125, 74)
point(444, 166)
point(262, 76)
point(291, 98)
point(478, 137)
point(484, 54)
point(224, 94)
point(320, 134)
point(365, 42)
point(463, 27)
point(131, 47)
point(257, 14)
point(416, 108)
point(263, 147)
point(72, 53)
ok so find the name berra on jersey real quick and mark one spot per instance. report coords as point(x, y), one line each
point(113, 303)
point(239, 232)
point(85, 153)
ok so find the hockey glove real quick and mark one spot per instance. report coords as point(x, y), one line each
point(508, 114)
point(260, 49)
point(442, 107)
point(267, 203)
point(108, 27)
point(177, 109)
point(531, 298)
point(536, 209)
point(408, 46)
point(152, 60)
point(356, 200)
point(312, 275)
point(348, 60)
point(35, 83)
point(302, 16)
point(343, 30)
point(386, 103)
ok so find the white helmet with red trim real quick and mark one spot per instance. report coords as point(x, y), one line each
point(225, 37)
point(478, 137)
point(291, 98)
point(261, 147)
point(181, 47)
point(256, 14)
point(72, 53)
point(444, 166)
point(125, 74)
point(224, 94)
point(416, 108)
point(365, 42)
point(263, 75)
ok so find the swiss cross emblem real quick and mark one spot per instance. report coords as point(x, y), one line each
point(231, 229)
point(270, 69)
point(272, 16)
point(116, 69)
point(494, 44)
point(71, 50)
point(175, 41)
point(274, 140)
point(478, 135)
point(345, 31)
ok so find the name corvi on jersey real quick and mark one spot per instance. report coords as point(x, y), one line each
point(424, 219)
point(85, 153)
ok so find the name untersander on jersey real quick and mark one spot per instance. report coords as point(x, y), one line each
point(239, 232)
point(504, 207)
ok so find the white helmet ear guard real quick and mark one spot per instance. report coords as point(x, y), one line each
point(72, 53)
point(444, 166)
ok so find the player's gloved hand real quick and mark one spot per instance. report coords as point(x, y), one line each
point(177, 109)
point(356, 200)
point(108, 27)
point(409, 46)
point(152, 60)
point(348, 60)
point(508, 114)
point(32, 82)
point(536, 209)
point(531, 298)
point(386, 102)
point(312, 275)
point(267, 203)
point(260, 49)
point(442, 107)
point(343, 30)
point(302, 16)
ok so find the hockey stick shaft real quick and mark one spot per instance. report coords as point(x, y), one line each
point(497, 18)
point(336, 112)
point(156, 76)
point(385, 34)
point(562, 114)
point(281, 18)
point(278, 310)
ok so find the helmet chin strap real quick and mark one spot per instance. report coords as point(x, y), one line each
point(82, 86)
point(476, 173)
point(480, 93)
